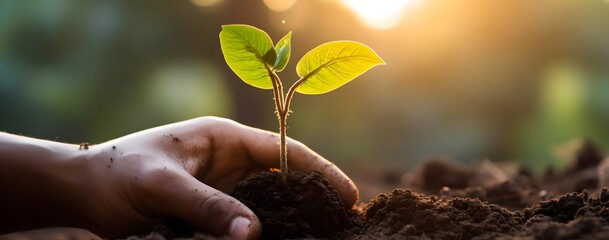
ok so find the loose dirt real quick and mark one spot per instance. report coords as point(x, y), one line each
point(442, 199)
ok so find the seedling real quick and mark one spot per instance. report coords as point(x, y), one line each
point(250, 53)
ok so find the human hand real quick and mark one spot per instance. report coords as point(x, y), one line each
point(181, 171)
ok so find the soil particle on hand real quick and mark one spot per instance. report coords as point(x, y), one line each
point(173, 138)
point(83, 145)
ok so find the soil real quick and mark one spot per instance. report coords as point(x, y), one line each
point(441, 199)
point(305, 206)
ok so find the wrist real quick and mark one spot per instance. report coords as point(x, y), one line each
point(43, 182)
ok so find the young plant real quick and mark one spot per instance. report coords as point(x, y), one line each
point(250, 53)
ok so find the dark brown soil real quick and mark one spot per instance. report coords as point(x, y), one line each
point(406, 214)
point(442, 199)
point(305, 206)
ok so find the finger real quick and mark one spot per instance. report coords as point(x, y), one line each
point(306, 160)
point(207, 209)
point(262, 147)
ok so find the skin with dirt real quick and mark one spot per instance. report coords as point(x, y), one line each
point(468, 203)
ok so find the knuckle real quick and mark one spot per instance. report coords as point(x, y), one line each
point(217, 121)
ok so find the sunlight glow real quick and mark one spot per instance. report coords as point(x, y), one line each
point(205, 3)
point(381, 14)
point(279, 5)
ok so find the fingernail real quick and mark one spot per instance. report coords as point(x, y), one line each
point(239, 228)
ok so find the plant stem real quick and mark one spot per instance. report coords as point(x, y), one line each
point(277, 92)
point(288, 99)
point(283, 148)
point(282, 106)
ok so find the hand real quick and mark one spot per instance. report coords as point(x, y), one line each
point(181, 171)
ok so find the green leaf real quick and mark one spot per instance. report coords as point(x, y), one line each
point(283, 49)
point(270, 57)
point(249, 52)
point(333, 64)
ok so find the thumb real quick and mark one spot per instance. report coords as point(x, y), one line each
point(209, 210)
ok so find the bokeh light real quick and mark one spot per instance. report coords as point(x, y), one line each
point(279, 5)
point(205, 3)
point(381, 14)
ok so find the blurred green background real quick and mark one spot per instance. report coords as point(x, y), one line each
point(505, 80)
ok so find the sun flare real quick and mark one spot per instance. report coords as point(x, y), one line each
point(381, 14)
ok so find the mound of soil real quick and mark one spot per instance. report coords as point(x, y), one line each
point(406, 214)
point(305, 206)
